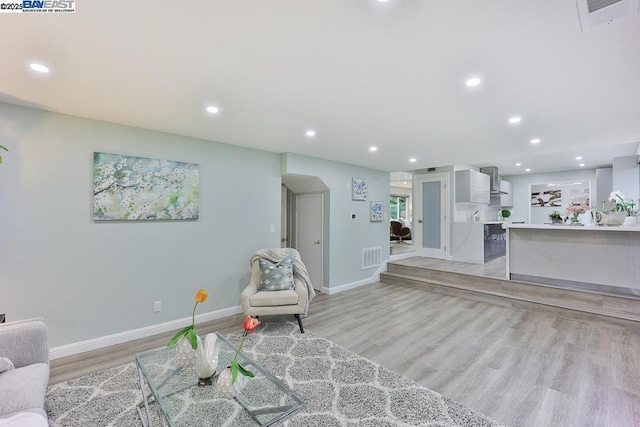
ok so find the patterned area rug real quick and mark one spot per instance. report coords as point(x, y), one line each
point(340, 387)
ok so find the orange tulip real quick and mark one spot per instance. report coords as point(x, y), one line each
point(201, 296)
point(250, 324)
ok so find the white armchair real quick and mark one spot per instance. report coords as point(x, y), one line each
point(256, 302)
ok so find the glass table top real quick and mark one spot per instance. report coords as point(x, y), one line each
point(263, 401)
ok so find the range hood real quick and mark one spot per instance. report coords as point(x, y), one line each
point(494, 179)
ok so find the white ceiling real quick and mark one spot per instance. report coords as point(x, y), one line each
point(359, 72)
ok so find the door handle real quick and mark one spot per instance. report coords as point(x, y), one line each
point(317, 242)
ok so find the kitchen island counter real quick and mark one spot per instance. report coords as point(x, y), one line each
point(603, 259)
point(634, 228)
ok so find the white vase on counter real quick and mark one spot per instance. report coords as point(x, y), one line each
point(630, 221)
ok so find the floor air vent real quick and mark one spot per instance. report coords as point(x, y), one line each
point(371, 257)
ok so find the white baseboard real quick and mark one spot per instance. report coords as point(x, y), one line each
point(375, 278)
point(147, 331)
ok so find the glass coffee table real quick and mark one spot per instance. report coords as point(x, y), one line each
point(180, 401)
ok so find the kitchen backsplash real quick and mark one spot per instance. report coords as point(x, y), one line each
point(464, 212)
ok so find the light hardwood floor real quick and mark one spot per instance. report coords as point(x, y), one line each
point(496, 267)
point(518, 366)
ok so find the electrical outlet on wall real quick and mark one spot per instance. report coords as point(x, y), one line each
point(157, 306)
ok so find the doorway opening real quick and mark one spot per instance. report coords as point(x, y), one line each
point(305, 223)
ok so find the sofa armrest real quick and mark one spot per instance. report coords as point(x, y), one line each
point(25, 342)
point(246, 294)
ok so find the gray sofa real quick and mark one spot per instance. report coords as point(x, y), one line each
point(22, 390)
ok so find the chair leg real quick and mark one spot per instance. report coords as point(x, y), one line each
point(299, 323)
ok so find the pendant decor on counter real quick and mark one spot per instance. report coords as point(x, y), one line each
point(206, 359)
point(225, 386)
point(185, 354)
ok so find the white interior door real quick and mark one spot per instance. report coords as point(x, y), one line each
point(309, 243)
point(284, 220)
point(430, 215)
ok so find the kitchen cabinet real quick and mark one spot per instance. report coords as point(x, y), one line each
point(478, 242)
point(506, 200)
point(472, 187)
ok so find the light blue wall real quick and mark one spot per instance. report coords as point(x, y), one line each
point(522, 195)
point(347, 237)
point(94, 279)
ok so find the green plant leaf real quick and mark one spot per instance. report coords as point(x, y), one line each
point(193, 337)
point(244, 371)
point(179, 335)
point(234, 371)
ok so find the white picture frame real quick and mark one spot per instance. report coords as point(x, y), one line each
point(358, 189)
point(376, 211)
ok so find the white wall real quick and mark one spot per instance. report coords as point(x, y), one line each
point(94, 279)
point(522, 195)
point(604, 186)
point(626, 177)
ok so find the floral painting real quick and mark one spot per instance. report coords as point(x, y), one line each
point(358, 189)
point(377, 211)
point(127, 188)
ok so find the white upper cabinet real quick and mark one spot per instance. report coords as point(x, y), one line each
point(472, 187)
point(506, 200)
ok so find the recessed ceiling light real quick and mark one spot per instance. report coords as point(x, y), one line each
point(581, 164)
point(535, 141)
point(413, 160)
point(311, 133)
point(527, 170)
point(474, 81)
point(579, 158)
point(373, 148)
point(518, 164)
point(405, 182)
point(39, 68)
point(514, 120)
point(213, 110)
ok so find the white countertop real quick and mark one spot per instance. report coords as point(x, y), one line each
point(575, 227)
point(483, 221)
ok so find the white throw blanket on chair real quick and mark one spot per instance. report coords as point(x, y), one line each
point(299, 270)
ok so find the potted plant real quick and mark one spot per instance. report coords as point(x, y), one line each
point(3, 148)
point(555, 217)
point(505, 213)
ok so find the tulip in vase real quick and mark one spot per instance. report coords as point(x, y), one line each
point(187, 337)
point(229, 382)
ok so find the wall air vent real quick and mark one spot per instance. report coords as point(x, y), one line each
point(596, 12)
point(371, 257)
